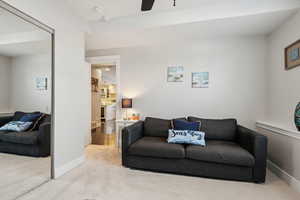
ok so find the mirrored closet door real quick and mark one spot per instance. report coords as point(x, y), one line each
point(26, 65)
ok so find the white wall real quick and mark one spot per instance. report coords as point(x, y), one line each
point(237, 76)
point(282, 97)
point(5, 72)
point(72, 79)
point(24, 95)
point(283, 86)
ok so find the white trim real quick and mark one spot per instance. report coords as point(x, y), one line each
point(114, 59)
point(6, 113)
point(292, 181)
point(278, 130)
point(59, 171)
point(25, 17)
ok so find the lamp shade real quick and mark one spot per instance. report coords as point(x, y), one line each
point(126, 103)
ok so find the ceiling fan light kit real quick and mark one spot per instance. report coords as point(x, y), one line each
point(148, 4)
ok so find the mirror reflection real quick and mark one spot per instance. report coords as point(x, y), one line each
point(25, 106)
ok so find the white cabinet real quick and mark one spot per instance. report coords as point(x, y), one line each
point(110, 112)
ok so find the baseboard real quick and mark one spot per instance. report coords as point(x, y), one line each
point(58, 172)
point(292, 181)
point(5, 114)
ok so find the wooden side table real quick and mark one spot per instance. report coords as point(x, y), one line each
point(120, 124)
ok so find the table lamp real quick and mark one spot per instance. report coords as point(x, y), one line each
point(126, 103)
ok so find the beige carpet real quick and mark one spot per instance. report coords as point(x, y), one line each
point(20, 174)
point(101, 177)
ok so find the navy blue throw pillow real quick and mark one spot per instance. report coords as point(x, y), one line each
point(186, 125)
point(32, 117)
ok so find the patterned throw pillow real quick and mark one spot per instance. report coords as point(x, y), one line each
point(16, 126)
point(186, 137)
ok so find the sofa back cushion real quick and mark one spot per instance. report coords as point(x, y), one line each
point(217, 129)
point(156, 127)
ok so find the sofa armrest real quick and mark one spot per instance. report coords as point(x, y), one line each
point(256, 144)
point(5, 120)
point(44, 139)
point(130, 135)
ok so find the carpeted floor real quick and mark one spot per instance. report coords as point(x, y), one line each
point(102, 177)
point(20, 174)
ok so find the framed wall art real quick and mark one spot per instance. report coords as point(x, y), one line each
point(292, 55)
point(41, 83)
point(175, 74)
point(200, 79)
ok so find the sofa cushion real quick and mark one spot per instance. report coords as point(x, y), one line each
point(217, 129)
point(221, 152)
point(18, 115)
point(156, 147)
point(20, 138)
point(186, 137)
point(16, 126)
point(155, 127)
point(31, 117)
point(185, 125)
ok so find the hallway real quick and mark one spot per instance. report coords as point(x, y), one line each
point(105, 135)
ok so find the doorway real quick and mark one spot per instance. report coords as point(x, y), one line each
point(105, 100)
point(104, 104)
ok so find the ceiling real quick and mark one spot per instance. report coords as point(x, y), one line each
point(18, 37)
point(121, 8)
point(120, 23)
point(253, 25)
point(12, 24)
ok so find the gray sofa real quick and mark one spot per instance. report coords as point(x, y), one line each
point(35, 143)
point(232, 152)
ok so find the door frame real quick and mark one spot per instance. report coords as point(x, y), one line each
point(112, 60)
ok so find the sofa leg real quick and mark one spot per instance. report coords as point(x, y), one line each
point(259, 181)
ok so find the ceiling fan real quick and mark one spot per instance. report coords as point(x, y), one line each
point(148, 4)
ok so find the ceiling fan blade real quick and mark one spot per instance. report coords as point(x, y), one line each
point(147, 5)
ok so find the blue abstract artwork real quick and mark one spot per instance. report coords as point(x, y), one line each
point(200, 79)
point(294, 54)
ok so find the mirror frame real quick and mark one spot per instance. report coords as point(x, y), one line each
point(27, 18)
